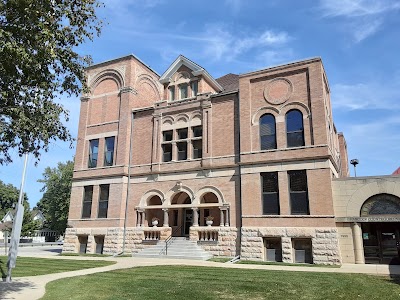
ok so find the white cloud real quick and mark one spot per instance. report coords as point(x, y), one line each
point(367, 96)
point(363, 18)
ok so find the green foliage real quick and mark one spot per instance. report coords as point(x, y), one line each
point(57, 190)
point(38, 63)
point(9, 195)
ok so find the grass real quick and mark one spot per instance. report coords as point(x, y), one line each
point(253, 262)
point(186, 282)
point(220, 259)
point(31, 266)
point(84, 254)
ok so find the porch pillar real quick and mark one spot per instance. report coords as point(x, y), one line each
point(138, 219)
point(143, 218)
point(195, 216)
point(227, 217)
point(358, 243)
point(221, 218)
point(166, 220)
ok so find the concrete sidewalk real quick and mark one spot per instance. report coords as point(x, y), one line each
point(33, 287)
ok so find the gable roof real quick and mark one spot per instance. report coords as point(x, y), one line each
point(196, 70)
point(397, 172)
point(230, 82)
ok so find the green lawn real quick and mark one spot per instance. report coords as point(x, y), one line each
point(184, 282)
point(271, 263)
point(30, 266)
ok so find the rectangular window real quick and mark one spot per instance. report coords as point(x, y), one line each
point(182, 150)
point(99, 244)
point(197, 148)
point(83, 240)
point(103, 200)
point(298, 192)
point(167, 152)
point(273, 249)
point(197, 131)
point(182, 134)
point(195, 88)
point(109, 151)
point(270, 193)
point(171, 92)
point(167, 136)
point(302, 251)
point(183, 90)
point(87, 202)
point(93, 153)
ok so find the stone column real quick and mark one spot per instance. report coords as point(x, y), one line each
point(143, 218)
point(227, 217)
point(138, 219)
point(166, 220)
point(221, 221)
point(358, 243)
point(195, 216)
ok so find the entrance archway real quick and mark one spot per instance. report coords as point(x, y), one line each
point(181, 217)
point(381, 232)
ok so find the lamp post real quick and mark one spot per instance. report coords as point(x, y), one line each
point(354, 162)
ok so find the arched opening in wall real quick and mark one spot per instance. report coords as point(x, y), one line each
point(181, 218)
point(380, 223)
point(294, 129)
point(154, 214)
point(212, 213)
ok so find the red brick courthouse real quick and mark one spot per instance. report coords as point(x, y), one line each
point(258, 153)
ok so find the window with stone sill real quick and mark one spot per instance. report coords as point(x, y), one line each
point(294, 129)
point(267, 132)
point(299, 203)
point(171, 90)
point(109, 151)
point(103, 200)
point(93, 153)
point(270, 193)
point(87, 202)
point(194, 85)
point(183, 89)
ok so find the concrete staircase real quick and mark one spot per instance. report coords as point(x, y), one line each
point(178, 247)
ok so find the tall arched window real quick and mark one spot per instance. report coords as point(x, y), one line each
point(294, 128)
point(267, 132)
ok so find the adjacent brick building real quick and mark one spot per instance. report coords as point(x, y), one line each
point(258, 153)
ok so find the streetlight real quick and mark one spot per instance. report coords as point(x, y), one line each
point(354, 162)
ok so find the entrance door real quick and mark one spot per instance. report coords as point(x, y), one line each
point(187, 221)
point(380, 243)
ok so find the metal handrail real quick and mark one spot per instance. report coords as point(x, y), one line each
point(168, 240)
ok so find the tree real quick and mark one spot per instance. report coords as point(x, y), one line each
point(9, 195)
point(38, 64)
point(57, 191)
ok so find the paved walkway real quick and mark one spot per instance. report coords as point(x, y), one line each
point(33, 287)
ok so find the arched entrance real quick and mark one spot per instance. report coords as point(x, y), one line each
point(182, 216)
point(381, 229)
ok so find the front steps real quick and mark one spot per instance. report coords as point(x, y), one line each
point(178, 248)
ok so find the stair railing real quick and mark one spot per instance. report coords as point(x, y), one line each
point(168, 240)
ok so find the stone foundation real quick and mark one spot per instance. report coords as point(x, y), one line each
point(325, 244)
point(225, 245)
point(113, 239)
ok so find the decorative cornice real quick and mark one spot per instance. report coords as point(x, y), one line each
point(128, 89)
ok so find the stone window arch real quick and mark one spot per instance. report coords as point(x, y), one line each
point(381, 204)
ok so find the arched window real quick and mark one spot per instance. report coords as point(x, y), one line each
point(267, 132)
point(294, 129)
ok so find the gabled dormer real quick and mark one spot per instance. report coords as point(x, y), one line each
point(186, 79)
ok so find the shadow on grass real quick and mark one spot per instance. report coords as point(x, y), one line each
point(54, 250)
point(394, 270)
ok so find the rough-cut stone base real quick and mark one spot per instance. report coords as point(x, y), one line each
point(113, 239)
point(225, 245)
point(325, 245)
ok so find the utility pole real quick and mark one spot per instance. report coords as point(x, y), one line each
point(17, 225)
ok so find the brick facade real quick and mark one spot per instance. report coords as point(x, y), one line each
point(200, 155)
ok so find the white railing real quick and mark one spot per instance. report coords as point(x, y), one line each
point(152, 235)
point(208, 235)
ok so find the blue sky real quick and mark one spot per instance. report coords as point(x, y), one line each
point(358, 40)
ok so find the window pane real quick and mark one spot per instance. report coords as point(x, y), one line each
point(197, 148)
point(294, 129)
point(88, 194)
point(184, 91)
point(167, 136)
point(109, 151)
point(167, 152)
point(267, 132)
point(197, 131)
point(182, 150)
point(104, 192)
point(87, 202)
point(299, 203)
point(182, 133)
point(195, 88)
point(103, 207)
point(270, 204)
point(298, 192)
point(171, 93)
point(93, 153)
point(298, 181)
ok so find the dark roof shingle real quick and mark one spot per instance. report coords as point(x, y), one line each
point(230, 82)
